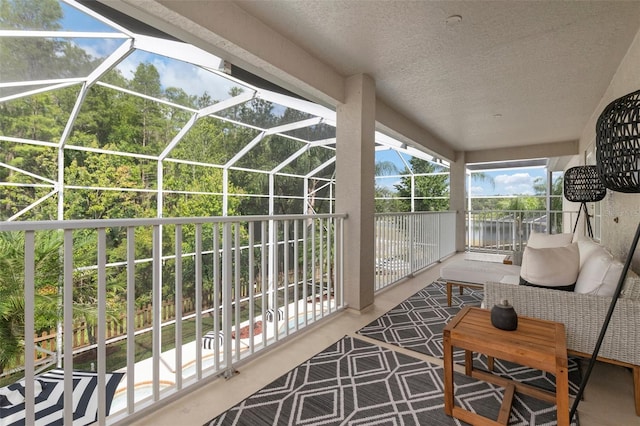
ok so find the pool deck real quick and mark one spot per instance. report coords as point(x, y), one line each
point(168, 373)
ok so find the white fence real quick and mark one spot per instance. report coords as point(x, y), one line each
point(409, 242)
point(234, 286)
point(503, 231)
point(264, 277)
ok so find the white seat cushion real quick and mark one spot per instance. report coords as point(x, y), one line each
point(471, 271)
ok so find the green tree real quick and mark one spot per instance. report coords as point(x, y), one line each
point(555, 202)
point(387, 201)
point(102, 172)
point(47, 247)
point(38, 117)
point(430, 186)
point(28, 58)
point(557, 190)
point(385, 197)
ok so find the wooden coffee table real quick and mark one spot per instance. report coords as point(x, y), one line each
point(536, 343)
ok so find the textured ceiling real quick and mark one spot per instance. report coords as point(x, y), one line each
point(510, 73)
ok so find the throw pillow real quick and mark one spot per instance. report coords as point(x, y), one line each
point(593, 272)
point(610, 281)
point(540, 240)
point(587, 247)
point(552, 267)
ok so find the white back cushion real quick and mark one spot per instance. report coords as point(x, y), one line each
point(599, 275)
point(551, 267)
point(587, 247)
point(540, 240)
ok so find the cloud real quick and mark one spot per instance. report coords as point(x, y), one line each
point(173, 73)
point(98, 48)
point(517, 183)
point(386, 182)
point(128, 68)
point(475, 190)
point(192, 79)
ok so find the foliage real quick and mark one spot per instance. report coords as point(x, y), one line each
point(27, 58)
point(431, 186)
point(12, 290)
point(47, 287)
point(387, 201)
point(537, 201)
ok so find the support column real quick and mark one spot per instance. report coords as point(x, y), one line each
point(355, 172)
point(457, 195)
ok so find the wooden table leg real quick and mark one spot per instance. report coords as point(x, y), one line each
point(507, 403)
point(636, 387)
point(449, 290)
point(468, 363)
point(562, 396)
point(448, 375)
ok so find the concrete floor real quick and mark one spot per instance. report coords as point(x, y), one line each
point(608, 399)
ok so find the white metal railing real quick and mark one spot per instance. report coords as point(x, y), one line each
point(408, 242)
point(503, 231)
point(253, 280)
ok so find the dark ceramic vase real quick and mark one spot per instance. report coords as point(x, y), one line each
point(504, 317)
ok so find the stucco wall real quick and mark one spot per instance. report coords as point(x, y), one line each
point(620, 212)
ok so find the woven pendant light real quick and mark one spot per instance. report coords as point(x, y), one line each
point(618, 144)
point(582, 184)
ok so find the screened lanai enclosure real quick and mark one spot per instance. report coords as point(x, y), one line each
point(166, 214)
point(101, 122)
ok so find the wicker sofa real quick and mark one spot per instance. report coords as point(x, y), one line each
point(583, 315)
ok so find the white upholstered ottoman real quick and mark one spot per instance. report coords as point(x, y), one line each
point(474, 273)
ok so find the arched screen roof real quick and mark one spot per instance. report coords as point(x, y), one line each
point(94, 106)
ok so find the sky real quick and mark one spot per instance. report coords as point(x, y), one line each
point(173, 73)
point(506, 181)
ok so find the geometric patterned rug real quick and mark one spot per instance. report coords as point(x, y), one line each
point(417, 324)
point(354, 382)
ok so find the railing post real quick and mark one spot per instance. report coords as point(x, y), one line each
point(412, 218)
point(469, 230)
point(101, 332)
point(178, 300)
point(198, 295)
point(226, 300)
point(29, 325)
point(155, 310)
point(439, 228)
point(338, 250)
point(67, 321)
point(132, 318)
